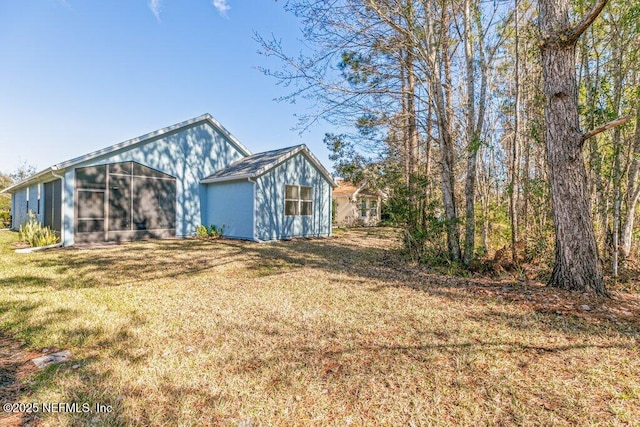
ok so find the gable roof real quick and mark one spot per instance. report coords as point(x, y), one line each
point(205, 118)
point(258, 164)
point(346, 188)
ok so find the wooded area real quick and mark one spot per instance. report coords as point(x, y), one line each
point(493, 125)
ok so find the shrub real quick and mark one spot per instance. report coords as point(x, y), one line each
point(5, 202)
point(35, 234)
point(213, 231)
point(5, 219)
point(202, 231)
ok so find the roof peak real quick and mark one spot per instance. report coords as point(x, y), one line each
point(206, 117)
point(259, 163)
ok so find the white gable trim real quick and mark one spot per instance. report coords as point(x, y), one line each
point(283, 158)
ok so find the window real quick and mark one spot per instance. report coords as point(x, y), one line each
point(363, 208)
point(373, 209)
point(298, 200)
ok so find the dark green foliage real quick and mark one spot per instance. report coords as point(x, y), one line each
point(5, 219)
point(421, 218)
point(349, 163)
point(215, 232)
point(356, 68)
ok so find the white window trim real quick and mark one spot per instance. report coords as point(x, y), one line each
point(299, 200)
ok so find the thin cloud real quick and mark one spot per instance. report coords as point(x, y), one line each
point(154, 5)
point(222, 6)
point(65, 3)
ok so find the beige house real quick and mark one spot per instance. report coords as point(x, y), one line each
point(356, 205)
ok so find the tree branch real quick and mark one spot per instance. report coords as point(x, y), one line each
point(575, 32)
point(617, 122)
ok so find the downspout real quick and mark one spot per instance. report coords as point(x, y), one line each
point(62, 204)
point(253, 215)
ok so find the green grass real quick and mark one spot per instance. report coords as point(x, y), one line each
point(308, 332)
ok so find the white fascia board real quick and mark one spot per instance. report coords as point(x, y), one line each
point(226, 133)
point(226, 178)
point(300, 148)
point(257, 173)
point(37, 177)
point(318, 165)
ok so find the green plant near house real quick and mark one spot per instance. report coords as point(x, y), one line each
point(213, 231)
point(35, 234)
point(202, 231)
point(5, 219)
point(5, 202)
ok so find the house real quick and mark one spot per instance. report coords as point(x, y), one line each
point(166, 183)
point(356, 205)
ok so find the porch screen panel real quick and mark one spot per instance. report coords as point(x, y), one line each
point(94, 177)
point(154, 203)
point(135, 201)
point(90, 211)
point(91, 183)
point(119, 202)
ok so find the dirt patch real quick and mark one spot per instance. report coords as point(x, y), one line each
point(19, 245)
point(15, 367)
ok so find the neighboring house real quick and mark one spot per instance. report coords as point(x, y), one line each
point(356, 205)
point(166, 183)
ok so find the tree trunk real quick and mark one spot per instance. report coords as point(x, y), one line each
point(441, 89)
point(515, 160)
point(633, 192)
point(577, 264)
point(472, 142)
point(617, 167)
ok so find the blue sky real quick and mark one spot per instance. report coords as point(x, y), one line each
point(80, 75)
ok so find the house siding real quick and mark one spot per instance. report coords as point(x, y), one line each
point(19, 205)
point(230, 205)
point(187, 154)
point(270, 220)
point(348, 213)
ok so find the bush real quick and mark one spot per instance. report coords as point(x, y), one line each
point(35, 234)
point(212, 231)
point(5, 219)
point(202, 231)
point(5, 202)
point(215, 232)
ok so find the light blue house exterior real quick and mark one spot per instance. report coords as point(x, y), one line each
point(254, 190)
point(166, 183)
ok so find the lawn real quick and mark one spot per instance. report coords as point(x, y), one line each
point(309, 332)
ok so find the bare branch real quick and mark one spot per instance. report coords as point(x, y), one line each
point(617, 122)
point(575, 32)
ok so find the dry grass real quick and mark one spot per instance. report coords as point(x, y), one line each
point(321, 332)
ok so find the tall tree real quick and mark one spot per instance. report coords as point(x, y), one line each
point(577, 264)
point(477, 61)
point(515, 146)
